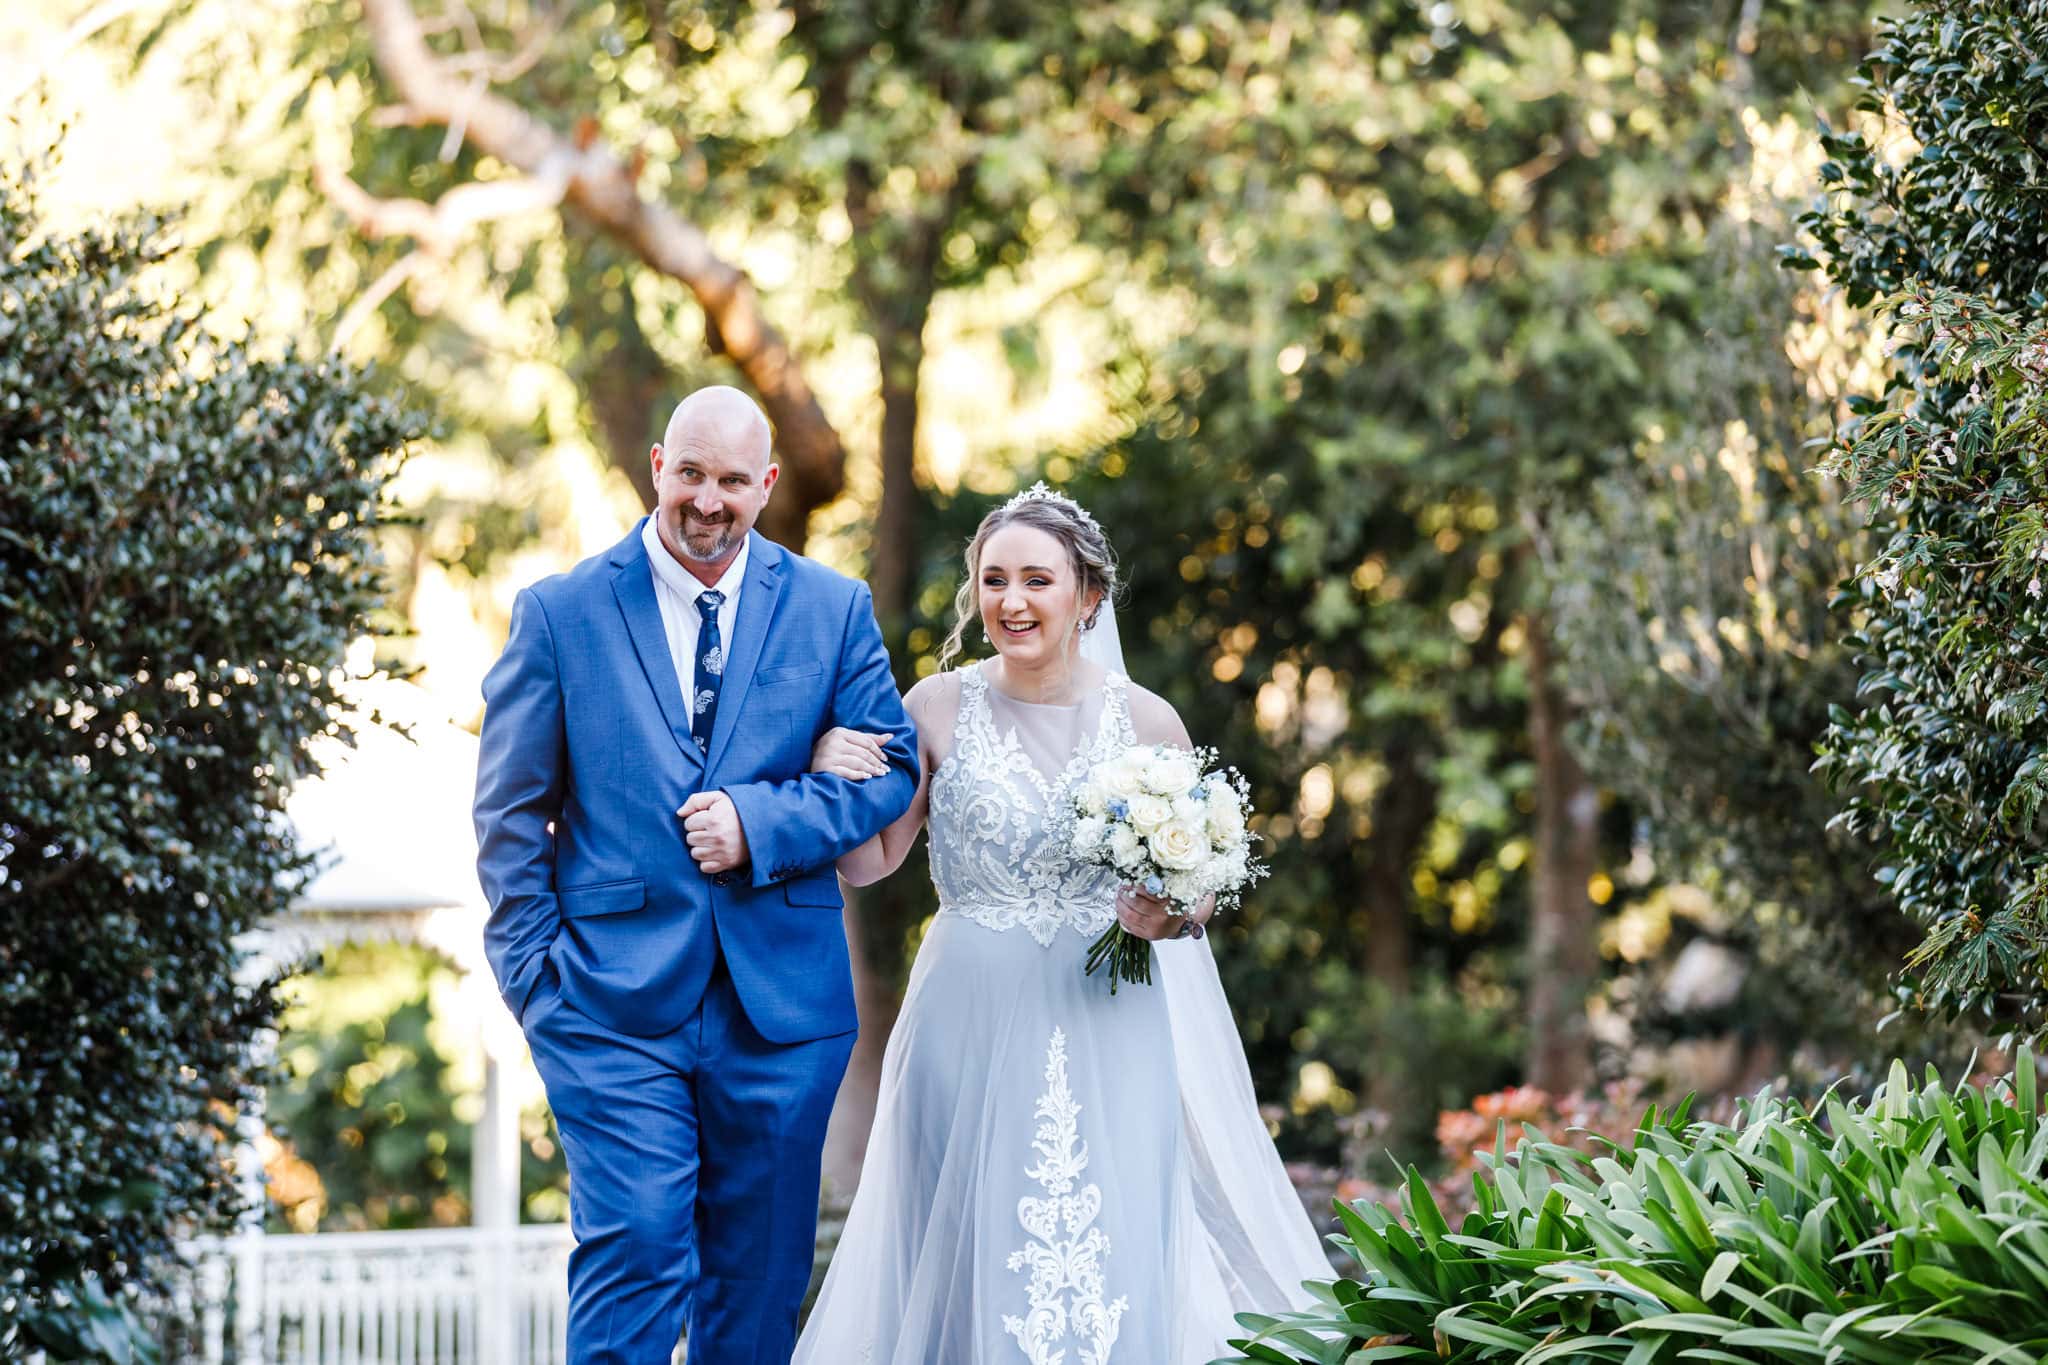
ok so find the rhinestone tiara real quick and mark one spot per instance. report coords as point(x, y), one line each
point(1038, 492)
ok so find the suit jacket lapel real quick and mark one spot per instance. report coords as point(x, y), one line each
point(759, 596)
point(633, 586)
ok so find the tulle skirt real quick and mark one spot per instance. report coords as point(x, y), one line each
point(1032, 1187)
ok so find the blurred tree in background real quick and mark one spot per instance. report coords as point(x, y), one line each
point(1439, 280)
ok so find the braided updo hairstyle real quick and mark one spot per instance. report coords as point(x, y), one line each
point(1059, 517)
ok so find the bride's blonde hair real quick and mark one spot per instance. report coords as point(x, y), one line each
point(1059, 517)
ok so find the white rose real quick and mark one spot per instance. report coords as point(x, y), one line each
point(1178, 845)
point(1122, 777)
point(1226, 813)
point(1170, 773)
point(1189, 809)
point(1149, 812)
point(1125, 847)
point(1089, 832)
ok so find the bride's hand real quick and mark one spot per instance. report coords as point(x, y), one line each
point(1145, 915)
point(853, 754)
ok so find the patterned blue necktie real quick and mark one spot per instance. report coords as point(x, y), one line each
point(710, 670)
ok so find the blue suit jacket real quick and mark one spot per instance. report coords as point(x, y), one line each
point(586, 755)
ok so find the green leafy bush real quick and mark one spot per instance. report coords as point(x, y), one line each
point(185, 553)
point(1943, 759)
point(1949, 762)
point(1909, 1228)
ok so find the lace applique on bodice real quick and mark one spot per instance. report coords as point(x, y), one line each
point(999, 825)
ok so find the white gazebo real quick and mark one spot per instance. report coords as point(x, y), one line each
point(389, 820)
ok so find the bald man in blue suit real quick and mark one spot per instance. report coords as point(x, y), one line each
point(665, 917)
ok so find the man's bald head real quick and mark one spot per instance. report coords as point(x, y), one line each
point(724, 415)
point(713, 472)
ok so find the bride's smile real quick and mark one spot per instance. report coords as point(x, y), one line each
point(1031, 605)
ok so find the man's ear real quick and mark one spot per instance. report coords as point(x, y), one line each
point(768, 478)
point(654, 459)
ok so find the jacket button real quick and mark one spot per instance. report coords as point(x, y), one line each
point(721, 879)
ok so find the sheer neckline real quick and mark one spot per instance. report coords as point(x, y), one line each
point(1087, 694)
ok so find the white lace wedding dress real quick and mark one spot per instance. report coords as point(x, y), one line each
point(1055, 1175)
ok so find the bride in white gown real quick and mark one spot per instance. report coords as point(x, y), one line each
point(1055, 1174)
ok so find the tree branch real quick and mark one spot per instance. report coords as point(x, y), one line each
point(601, 187)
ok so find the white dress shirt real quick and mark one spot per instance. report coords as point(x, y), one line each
point(676, 590)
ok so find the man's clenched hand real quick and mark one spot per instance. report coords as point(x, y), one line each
point(711, 827)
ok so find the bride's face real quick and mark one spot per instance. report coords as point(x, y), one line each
point(1030, 595)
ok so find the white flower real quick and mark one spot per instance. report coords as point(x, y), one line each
point(1184, 888)
point(2033, 587)
point(1186, 807)
point(1089, 833)
point(1125, 847)
point(1091, 797)
point(1121, 776)
point(1226, 812)
point(1149, 812)
point(1178, 845)
point(1170, 772)
point(1214, 871)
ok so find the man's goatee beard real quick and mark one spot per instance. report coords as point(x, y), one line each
point(721, 533)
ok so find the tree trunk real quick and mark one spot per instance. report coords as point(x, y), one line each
point(1563, 954)
point(1400, 814)
point(893, 569)
point(626, 395)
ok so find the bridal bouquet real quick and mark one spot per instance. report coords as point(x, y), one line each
point(1169, 821)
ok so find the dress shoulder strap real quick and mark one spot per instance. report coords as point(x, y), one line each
point(973, 703)
point(1116, 709)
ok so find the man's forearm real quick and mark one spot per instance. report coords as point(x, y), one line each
point(808, 822)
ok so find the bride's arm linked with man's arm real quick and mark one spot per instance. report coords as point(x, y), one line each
point(858, 756)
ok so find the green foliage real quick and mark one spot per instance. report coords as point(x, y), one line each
point(1947, 761)
point(1942, 760)
point(1691, 593)
point(1909, 1228)
point(87, 1327)
point(370, 1108)
point(1964, 208)
point(185, 552)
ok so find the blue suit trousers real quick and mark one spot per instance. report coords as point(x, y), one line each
point(680, 1220)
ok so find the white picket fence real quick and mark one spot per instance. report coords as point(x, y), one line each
point(442, 1296)
point(455, 1296)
